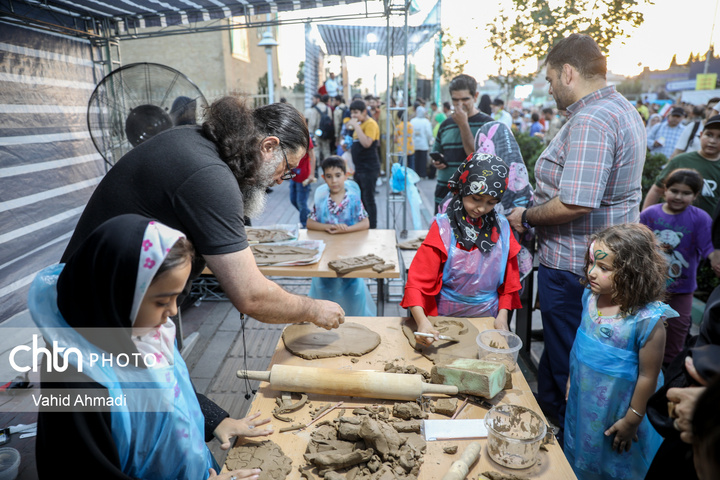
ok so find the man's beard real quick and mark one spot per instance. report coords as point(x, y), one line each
point(255, 196)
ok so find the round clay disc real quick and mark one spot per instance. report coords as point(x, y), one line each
point(309, 341)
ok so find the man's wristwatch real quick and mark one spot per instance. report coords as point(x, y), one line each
point(524, 220)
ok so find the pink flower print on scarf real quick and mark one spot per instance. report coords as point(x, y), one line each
point(149, 263)
point(147, 244)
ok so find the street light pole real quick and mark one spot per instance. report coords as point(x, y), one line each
point(269, 42)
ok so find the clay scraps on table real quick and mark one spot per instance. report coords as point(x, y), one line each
point(272, 254)
point(285, 404)
point(366, 446)
point(267, 235)
point(383, 267)
point(445, 406)
point(491, 475)
point(347, 265)
point(392, 367)
point(413, 244)
point(459, 328)
point(267, 456)
point(308, 341)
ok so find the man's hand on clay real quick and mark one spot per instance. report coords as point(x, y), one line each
point(251, 474)
point(242, 428)
point(329, 315)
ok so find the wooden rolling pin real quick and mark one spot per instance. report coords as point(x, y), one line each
point(356, 383)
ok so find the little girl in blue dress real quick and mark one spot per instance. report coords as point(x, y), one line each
point(616, 359)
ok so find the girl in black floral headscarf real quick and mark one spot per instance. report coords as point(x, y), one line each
point(467, 264)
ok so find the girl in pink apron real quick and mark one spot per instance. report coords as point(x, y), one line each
point(467, 265)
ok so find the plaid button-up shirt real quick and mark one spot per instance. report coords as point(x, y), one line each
point(596, 160)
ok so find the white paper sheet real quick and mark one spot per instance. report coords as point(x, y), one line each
point(453, 429)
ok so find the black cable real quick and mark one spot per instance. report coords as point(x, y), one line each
point(248, 389)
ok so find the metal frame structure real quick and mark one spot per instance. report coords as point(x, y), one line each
point(68, 18)
point(106, 31)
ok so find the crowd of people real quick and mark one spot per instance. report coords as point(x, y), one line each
point(614, 284)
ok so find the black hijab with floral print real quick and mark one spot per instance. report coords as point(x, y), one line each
point(480, 174)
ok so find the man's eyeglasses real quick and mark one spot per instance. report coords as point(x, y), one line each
point(289, 174)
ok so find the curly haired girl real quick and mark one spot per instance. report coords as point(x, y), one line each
point(616, 359)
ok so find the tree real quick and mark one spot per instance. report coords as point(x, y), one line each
point(533, 27)
point(508, 58)
point(452, 65)
point(299, 87)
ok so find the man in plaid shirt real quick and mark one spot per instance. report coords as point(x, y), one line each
point(588, 178)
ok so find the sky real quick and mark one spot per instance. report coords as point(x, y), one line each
point(670, 27)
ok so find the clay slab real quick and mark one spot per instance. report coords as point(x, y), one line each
point(459, 328)
point(267, 456)
point(309, 342)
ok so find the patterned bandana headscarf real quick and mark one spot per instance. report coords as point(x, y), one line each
point(157, 242)
point(480, 174)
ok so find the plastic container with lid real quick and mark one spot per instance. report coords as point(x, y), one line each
point(499, 346)
point(9, 463)
point(515, 434)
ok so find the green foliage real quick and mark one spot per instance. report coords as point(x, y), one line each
point(451, 48)
point(507, 57)
point(533, 27)
point(530, 149)
point(299, 87)
point(654, 163)
point(706, 281)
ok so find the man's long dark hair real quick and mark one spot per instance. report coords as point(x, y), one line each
point(238, 131)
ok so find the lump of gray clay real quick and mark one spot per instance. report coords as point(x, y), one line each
point(408, 410)
point(446, 406)
point(267, 456)
point(380, 436)
point(451, 449)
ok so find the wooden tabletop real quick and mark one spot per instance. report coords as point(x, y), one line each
point(408, 255)
point(551, 464)
point(344, 245)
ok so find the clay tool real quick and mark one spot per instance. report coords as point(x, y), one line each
point(356, 383)
point(325, 412)
point(478, 402)
point(457, 412)
point(447, 338)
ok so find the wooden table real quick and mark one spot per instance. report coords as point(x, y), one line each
point(408, 255)
point(394, 347)
point(379, 242)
